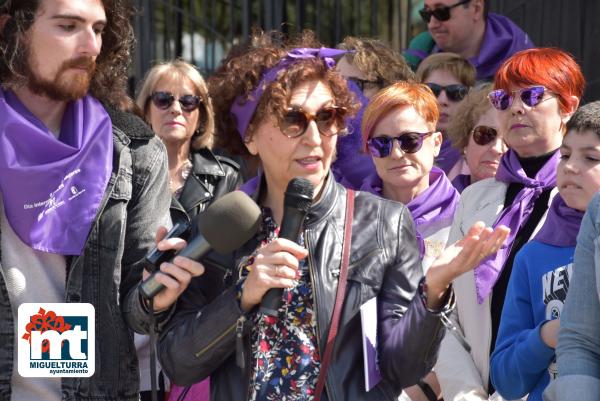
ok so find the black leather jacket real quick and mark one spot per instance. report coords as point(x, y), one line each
point(212, 176)
point(200, 339)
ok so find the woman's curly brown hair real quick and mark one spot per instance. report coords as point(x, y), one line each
point(109, 83)
point(239, 75)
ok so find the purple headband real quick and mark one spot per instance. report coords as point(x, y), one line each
point(243, 107)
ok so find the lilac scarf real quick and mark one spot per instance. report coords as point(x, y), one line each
point(461, 181)
point(561, 225)
point(52, 187)
point(514, 216)
point(447, 157)
point(352, 165)
point(436, 205)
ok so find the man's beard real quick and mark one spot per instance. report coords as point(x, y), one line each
point(64, 87)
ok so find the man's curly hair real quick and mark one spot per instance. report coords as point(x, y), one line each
point(109, 82)
point(240, 74)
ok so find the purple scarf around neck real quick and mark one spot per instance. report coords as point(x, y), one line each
point(461, 181)
point(433, 206)
point(561, 225)
point(514, 216)
point(448, 156)
point(52, 188)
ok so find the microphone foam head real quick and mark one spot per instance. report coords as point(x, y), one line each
point(230, 222)
point(299, 194)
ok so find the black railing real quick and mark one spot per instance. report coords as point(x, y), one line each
point(202, 31)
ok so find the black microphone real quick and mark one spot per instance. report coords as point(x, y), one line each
point(296, 202)
point(224, 226)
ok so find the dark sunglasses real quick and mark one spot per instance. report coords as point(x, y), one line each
point(531, 97)
point(441, 13)
point(484, 135)
point(329, 120)
point(366, 84)
point(455, 93)
point(164, 100)
point(410, 142)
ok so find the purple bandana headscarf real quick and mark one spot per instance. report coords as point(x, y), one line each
point(514, 216)
point(51, 187)
point(434, 206)
point(243, 108)
point(561, 225)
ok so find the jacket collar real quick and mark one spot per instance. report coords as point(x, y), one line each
point(195, 191)
point(319, 210)
point(206, 163)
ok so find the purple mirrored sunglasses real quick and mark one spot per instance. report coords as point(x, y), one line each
point(531, 96)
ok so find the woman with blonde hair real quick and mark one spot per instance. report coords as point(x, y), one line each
point(175, 102)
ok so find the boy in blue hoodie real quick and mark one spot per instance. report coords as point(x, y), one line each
point(524, 361)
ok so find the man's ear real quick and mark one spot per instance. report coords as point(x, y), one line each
point(478, 8)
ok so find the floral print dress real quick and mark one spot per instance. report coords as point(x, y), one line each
point(284, 351)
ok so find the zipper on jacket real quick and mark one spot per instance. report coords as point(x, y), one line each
point(240, 357)
point(216, 340)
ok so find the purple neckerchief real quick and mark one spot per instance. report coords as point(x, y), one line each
point(434, 205)
point(561, 225)
point(352, 164)
point(51, 187)
point(502, 39)
point(251, 186)
point(461, 181)
point(243, 107)
point(514, 216)
point(448, 156)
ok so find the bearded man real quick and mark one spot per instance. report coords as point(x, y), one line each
point(84, 189)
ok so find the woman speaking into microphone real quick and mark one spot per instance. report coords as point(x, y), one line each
point(287, 106)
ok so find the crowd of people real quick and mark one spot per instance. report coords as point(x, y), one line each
point(449, 197)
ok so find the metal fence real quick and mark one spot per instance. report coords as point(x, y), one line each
point(202, 31)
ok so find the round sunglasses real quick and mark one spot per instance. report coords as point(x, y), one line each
point(440, 13)
point(531, 96)
point(455, 93)
point(329, 120)
point(484, 135)
point(409, 142)
point(164, 100)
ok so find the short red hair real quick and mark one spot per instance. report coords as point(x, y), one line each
point(553, 68)
point(400, 94)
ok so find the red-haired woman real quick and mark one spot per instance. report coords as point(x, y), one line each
point(536, 92)
point(399, 131)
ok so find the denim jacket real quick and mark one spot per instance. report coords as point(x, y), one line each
point(106, 274)
point(578, 351)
